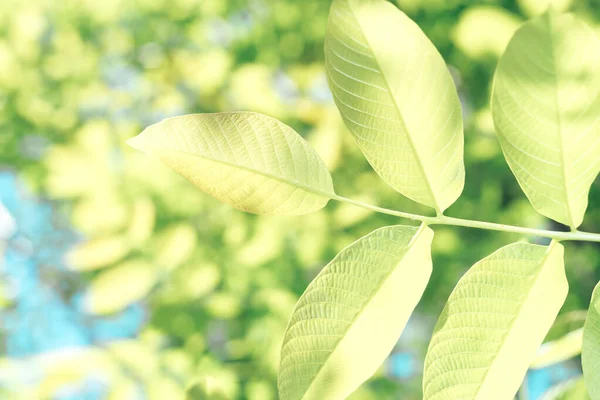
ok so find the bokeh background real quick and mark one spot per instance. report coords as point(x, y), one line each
point(119, 280)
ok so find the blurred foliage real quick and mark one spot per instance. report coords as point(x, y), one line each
point(79, 77)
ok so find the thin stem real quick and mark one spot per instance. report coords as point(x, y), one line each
point(444, 220)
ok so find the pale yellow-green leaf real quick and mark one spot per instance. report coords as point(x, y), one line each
point(536, 7)
point(559, 350)
point(141, 223)
point(350, 317)
point(98, 253)
point(175, 245)
point(493, 323)
point(484, 30)
point(546, 110)
point(590, 353)
point(250, 161)
point(573, 389)
point(397, 97)
point(116, 288)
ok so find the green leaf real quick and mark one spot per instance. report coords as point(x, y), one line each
point(493, 323)
point(115, 289)
point(397, 97)
point(546, 110)
point(98, 253)
point(350, 317)
point(590, 354)
point(573, 389)
point(250, 161)
point(558, 350)
point(563, 341)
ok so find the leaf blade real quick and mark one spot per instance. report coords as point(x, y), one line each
point(590, 354)
point(321, 357)
point(546, 110)
point(493, 323)
point(247, 160)
point(415, 146)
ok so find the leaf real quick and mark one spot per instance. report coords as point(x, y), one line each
point(590, 353)
point(350, 317)
point(398, 99)
point(546, 110)
point(493, 323)
point(98, 253)
point(141, 224)
point(484, 31)
point(559, 350)
point(573, 389)
point(250, 161)
point(175, 246)
point(115, 289)
point(566, 323)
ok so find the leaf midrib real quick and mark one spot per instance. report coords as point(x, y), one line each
point(281, 179)
point(559, 119)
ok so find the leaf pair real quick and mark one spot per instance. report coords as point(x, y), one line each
point(396, 96)
point(351, 315)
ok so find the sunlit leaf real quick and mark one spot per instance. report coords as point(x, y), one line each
point(398, 99)
point(537, 7)
point(115, 289)
point(573, 389)
point(175, 245)
point(566, 323)
point(142, 221)
point(590, 354)
point(98, 253)
point(484, 30)
point(350, 317)
point(559, 350)
point(136, 356)
point(493, 323)
point(546, 110)
point(250, 161)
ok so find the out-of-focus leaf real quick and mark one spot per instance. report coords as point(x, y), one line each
point(237, 158)
point(124, 388)
point(546, 107)
point(136, 356)
point(142, 220)
point(409, 128)
point(590, 354)
point(484, 30)
point(565, 324)
point(350, 317)
point(536, 7)
point(559, 350)
point(493, 323)
point(98, 253)
point(175, 246)
point(163, 388)
point(573, 389)
point(116, 288)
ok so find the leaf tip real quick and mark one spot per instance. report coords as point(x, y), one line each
point(136, 142)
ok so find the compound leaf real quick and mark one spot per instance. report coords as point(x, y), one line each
point(590, 353)
point(250, 161)
point(398, 99)
point(350, 317)
point(493, 323)
point(546, 108)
